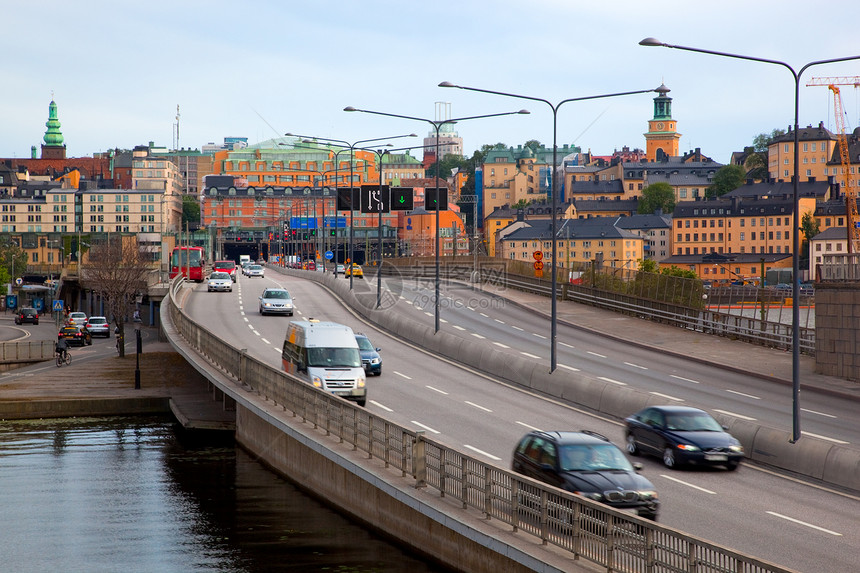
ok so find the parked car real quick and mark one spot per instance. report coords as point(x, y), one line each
point(228, 267)
point(255, 271)
point(588, 464)
point(98, 326)
point(354, 270)
point(77, 318)
point(75, 335)
point(276, 301)
point(27, 314)
point(219, 281)
point(682, 435)
point(370, 358)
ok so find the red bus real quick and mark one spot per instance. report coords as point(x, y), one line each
point(188, 261)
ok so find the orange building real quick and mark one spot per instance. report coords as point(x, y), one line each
point(662, 140)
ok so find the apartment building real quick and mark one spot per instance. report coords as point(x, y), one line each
point(816, 149)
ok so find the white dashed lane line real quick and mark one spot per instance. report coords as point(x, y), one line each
point(684, 379)
point(596, 354)
point(611, 381)
point(805, 524)
point(820, 437)
point(732, 414)
point(437, 390)
point(428, 428)
point(676, 480)
point(636, 366)
point(538, 335)
point(526, 354)
point(667, 396)
point(566, 367)
point(744, 395)
point(501, 345)
point(266, 341)
point(818, 413)
point(527, 426)
point(478, 406)
point(458, 327)
point(482, 452)
point(516, 328)
point(476, 335)
point(378, 405)
point(402, 375)
point(567, 345)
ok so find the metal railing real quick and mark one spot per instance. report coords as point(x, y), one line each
point(586, 529)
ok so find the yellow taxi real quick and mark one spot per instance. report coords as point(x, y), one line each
point(354, 270)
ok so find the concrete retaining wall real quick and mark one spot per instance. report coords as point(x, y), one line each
point(26, 410)
point(811, 457)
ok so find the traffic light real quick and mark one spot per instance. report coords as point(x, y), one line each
point(332, 232)
point(432, 195)
point(313, 232)
point(401, 199)
point(271, 237)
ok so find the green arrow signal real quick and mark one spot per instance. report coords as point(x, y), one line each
point(402, 199)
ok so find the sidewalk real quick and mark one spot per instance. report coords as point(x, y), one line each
point(767, 363)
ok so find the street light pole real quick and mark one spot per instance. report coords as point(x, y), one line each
point(554, 187)
point(795, 248)
point(437, 126)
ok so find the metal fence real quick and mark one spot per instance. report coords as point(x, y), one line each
point(586, 529)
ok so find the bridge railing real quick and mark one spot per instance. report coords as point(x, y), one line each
point(586, 529)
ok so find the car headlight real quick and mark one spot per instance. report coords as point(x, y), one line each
point(374, 361)
point(317, 381)
point(688, 447)
point(647, 495)
point(590, 495)
point(267, 304)
point(360, 381)
point(737, 448)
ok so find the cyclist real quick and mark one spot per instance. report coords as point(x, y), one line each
point(61, 348)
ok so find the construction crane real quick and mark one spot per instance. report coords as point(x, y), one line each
point(853, 219)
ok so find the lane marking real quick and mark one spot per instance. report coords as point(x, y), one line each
point(567, 345)
point(428, 313)
point(476, 335)
point(676, 480)
point(266, 341)
point(516, 328)
point(727, 413)
point(530, 355)
point(527, 426)
point(538, 335)
point(428, 428)
point(797, 521)
point(834, 440)
point(386, 408)
point(684, 379)
point(443, 320)
point(437, 390)
point(502, 345)
point(251, 326)
point(484, 315)
point(818, 413)
point(483, 453)
point(458, 327)
point(636, 366)
point(744, 395)
point(596, 354)
point(245, 318)
point(499, 321)
point(478, 406)
point(667, 396)
point(610, 380)
point(402, 375)
point(566, 367)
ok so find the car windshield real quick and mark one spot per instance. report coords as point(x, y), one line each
point(276, 294)
point(255, 267)
point(77, 315)
point(364, 343)
point(334, 357)
point(221, 276)
point(692, 422)
point(593, 457)
point(97, 321)
point(227, 265)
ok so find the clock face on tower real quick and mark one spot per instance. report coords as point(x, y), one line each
point(660, 126)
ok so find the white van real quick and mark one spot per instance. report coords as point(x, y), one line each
point(327, 355)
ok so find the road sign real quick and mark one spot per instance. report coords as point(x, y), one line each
point(538, 266)
point(374, 199)
point(348, 198)
point(537, 255)
point(58, 305)
point(432, 195)
point(329, 255)
point(19, 281)
point(402, 199)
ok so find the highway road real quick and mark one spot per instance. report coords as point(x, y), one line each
point(790, 521)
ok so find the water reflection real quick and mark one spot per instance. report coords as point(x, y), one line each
point(129, 493)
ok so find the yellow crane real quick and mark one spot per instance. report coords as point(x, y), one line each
point(853, 219)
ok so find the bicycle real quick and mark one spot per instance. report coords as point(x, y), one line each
point(63, 357)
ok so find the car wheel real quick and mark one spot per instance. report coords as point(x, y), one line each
point(35, 322)
point(361, 402)
point(669, 458)
point(732, 466)
point(652, 515)
point(632, 448)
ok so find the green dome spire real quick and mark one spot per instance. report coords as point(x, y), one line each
point(53, 136)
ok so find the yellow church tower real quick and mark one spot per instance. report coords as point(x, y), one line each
point(662, 140)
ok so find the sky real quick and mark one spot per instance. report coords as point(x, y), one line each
point(262, 68)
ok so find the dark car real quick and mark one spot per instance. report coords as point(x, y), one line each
point(75, 335)
point(370, 358)
point(27, 314)
point(589, 465)
point(682, 435)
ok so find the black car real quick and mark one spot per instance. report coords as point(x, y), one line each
point(75, 335)
point(682, 435)
point(587, 464)
point(27, 314)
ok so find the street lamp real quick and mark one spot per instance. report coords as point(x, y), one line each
point(554, 187)
point(352, 147)
point(437, 125)
point(795, 248)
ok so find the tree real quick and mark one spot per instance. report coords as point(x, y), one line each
point(13, 262)
point(657, 196)
point(756, 165)
point(533, 144)
point(810, 227)
point(117, 270)
point(190, 211)
point(727, 178)
point(762, 140)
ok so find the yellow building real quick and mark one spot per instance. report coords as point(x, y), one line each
point(816, 148)
point(662, 139)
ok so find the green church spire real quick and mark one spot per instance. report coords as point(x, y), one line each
point(53, 137)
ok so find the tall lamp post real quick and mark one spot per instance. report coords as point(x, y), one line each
point(795, 248)
point(352, 147)
point(554, 186)
point(437, 125)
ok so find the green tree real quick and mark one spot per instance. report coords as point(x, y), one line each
point(14, 262)
point(756, 165)
point(810, 227)
point(762, 140)
point(521, 204)
point(657, 196)
point(727, 178)
point(190, 211)
point(533, 144)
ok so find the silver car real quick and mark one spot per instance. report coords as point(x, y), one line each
point(219, 282)
point(255, 271)
point(98, 326)
point(276, 301)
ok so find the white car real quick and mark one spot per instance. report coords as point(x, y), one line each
point(98, 326)
point(219, 282)
point(77, 318)
point(255, 271)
